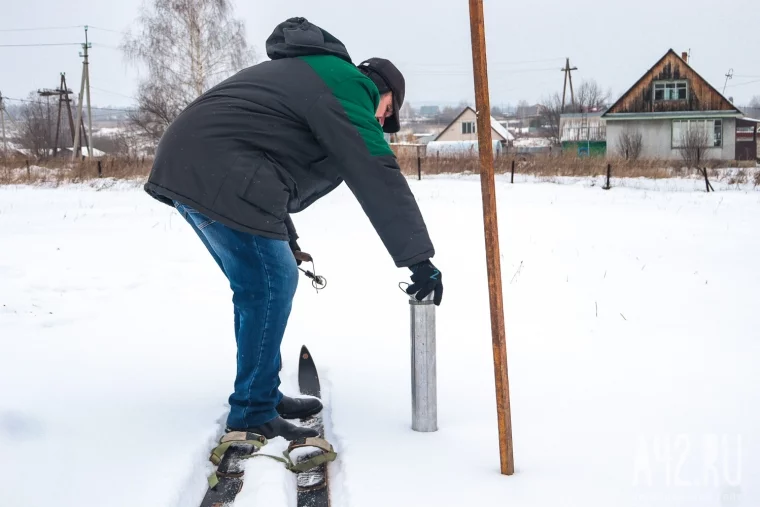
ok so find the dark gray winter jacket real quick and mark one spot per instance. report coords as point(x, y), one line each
point(275, 137)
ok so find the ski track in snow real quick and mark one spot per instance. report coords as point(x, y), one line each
point(631, 334)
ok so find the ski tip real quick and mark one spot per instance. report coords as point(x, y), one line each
point(308, 378)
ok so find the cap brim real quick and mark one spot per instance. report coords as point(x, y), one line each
point(391, 125)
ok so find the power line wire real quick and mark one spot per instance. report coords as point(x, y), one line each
point(70, 27)
point(443, 72)
point(112, 93)
point(742, 84)
point(106, 29)
point(123, 110)
point(40, 28)
point(468, 64)
point(40, 45)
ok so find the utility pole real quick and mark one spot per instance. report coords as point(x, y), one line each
point(568, 77)
point(729, 75)
point(62, 92)
point(85, 80)
point(2, 122)
point(491, 229)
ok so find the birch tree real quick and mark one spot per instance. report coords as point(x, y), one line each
point(187, 47)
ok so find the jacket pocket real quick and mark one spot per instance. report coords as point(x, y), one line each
point(322, 179)
point(264, 187)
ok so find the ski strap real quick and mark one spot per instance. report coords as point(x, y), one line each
point(236, 437)
point(328, 454)
point(257, 441)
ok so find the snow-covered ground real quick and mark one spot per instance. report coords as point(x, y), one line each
point(632, 333)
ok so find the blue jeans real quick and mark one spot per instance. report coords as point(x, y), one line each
point(263, 276)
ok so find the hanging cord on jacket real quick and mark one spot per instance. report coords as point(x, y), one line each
point(317, 281)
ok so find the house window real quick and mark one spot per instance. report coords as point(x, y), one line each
point(745, 134)
point(468, 127)
point(712, 131)
point(670, 90)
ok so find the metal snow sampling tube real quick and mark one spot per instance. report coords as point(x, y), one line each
point(424, 397)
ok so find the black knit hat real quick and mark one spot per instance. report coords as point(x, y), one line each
point(387, 78)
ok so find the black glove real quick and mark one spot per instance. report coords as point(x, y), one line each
point(426, 279)
point(295, 248)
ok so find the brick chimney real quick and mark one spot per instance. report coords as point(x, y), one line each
point(685, 57)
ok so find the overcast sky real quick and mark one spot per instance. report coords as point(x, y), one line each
point(428, 40)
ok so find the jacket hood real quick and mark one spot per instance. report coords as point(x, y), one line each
point(298, 37)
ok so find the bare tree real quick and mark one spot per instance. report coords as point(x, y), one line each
point(589, 96)
point(523, 109)
point(35, 132)
point(694, 142)
point(128, 141)
point(187, 46)
point(755, 102)
point(629, 144)
point(550, 110)
point(448, 113)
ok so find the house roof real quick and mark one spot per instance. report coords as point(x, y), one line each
point(593, 114)
point(647, 74)
point(499, 128)
point(529, 111)
point(495, 125)
point(668, 115)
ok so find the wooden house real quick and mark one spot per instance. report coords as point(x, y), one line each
point(668, 101)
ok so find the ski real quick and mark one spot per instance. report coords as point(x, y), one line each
point(313, 485)
point(236, 447)
point(228, 477)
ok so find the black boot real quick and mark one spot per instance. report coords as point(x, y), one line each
point(298, 408)
point(279, 427)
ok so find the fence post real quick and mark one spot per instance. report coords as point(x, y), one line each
point(100, 169)
point(609, 172)
point(708, 186)
point(419, 165)
point(424, 395)
point(28, 173)
point(512, 180)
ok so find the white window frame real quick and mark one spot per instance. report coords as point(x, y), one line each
point(469, 127)
point(664, 84)
point(714, 126)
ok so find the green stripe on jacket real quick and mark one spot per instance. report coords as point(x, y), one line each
point(357, 94)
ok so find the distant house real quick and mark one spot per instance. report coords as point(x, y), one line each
point(464, 128)
point(525, 120)
point(429, 111)
point(96, 153)
point(583, 133)
point(668, 101)
point(460, 148)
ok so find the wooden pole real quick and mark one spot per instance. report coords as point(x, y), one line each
point(419, 165)
point(609, 173)
point(64, 87)
point(79, 122)
point(89, 105)
point(482, 104)
point(58, 120)
point(512, 179)
point(564, 86)
point(708, 186)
